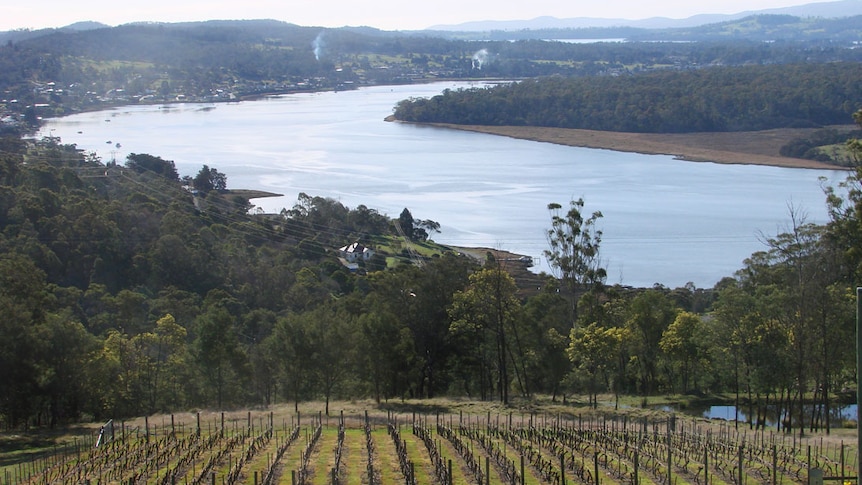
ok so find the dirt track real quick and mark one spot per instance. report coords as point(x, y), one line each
point(753, 147)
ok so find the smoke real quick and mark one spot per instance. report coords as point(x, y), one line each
point(318, 46)
point(480, 58)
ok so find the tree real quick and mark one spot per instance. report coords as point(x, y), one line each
point(217, 352)
point(142, 162)
point(405, 224)
point(67, 377)
point(424, 229)
point(486, 310)
point(163, 354)
point(680, 345)
point(385, 349)
point(209, 179)
point(118, 377)
point(547, 325)
point(574, 251)
point(594, 351)
point(22, 296)
point(650, 313)
point(327, 329)
point(795, 284)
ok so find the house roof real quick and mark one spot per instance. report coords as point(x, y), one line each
point(354, 248)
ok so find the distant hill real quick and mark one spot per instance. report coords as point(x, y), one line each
point(20, 35)
point(837, 9)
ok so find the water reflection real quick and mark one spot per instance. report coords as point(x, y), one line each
point(837, 414)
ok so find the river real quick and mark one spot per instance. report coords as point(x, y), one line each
point(665, 221)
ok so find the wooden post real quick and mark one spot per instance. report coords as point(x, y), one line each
point(858, 383)
point(705, 465)
point(596, 466)
point(522, 470)
point(775, 465)
point(669, 450)
point(842, 461)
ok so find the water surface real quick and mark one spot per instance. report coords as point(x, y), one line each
point(665, 221)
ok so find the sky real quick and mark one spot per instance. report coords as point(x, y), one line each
point(382, 14)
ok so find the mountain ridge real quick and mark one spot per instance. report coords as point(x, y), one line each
point(836, 9)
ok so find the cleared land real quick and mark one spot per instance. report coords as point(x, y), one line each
point(429, 442)
point(750, 147)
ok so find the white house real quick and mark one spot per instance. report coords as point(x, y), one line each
point(356, 252)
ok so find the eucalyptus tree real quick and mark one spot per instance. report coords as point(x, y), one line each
point(486, 311)
point(329, 337)
point(22, 296)
point(66, 361)
point(546, 325)
point(163, 360)
point(750, 345)
point(797, 283)
point(290, 349)
point(383, 353)
point(218, 355)
point(682, 347)
point(594, 351)
point(574, 242)
point(650, 314)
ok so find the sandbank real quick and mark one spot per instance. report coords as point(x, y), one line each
point(750, 147)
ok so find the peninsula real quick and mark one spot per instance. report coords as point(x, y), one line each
point(751, 147)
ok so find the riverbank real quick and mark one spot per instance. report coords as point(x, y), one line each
point(747, 148)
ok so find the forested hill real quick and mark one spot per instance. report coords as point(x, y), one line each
point(713, 99)
point(58, 72)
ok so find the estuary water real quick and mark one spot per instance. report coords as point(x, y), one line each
point(665, 221)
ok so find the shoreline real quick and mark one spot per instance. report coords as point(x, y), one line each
point(739, 148)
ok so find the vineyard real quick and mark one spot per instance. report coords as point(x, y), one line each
point(387, 448)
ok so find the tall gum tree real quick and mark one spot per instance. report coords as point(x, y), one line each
point(487, 308)
point(573, 253)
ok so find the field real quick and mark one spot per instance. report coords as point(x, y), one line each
point(427, 443)
point(750, 148)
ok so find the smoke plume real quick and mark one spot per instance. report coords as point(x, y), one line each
point(318, 46)
point(480, 58)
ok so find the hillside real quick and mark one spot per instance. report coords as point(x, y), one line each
point(714, 100)
point(61, 71)
point(820, 10)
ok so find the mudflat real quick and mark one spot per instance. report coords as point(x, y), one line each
point(749, 147)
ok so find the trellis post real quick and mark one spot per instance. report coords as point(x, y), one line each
point(858, 382)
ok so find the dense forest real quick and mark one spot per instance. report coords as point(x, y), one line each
point(124, 293)
point(747, 98)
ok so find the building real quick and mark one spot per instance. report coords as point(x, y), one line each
point(356, 252)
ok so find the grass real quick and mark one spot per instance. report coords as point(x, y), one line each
point(423, 468)
point(386, 465)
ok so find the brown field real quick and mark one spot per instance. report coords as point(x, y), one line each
point(750, 147)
